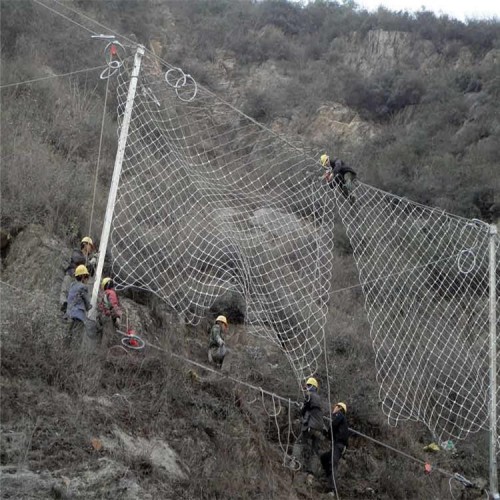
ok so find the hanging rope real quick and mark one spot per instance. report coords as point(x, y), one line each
point(275, 413)
point(96, 174)
point(113, 64)
point(26, 82)
point(332, 444)
point(455, 476)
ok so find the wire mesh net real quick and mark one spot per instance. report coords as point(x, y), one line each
point(425, 279)
point(210, 203)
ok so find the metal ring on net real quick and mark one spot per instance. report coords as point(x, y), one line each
point(460, 261)
point(175, 82)
point(186, 80)
point(113, 64)
point(112, 68)
point(476, 224)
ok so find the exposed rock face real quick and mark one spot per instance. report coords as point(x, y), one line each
point(340, 122)
point(491, 58)
point(155, 450)
point(381, 50)
point(36, 261)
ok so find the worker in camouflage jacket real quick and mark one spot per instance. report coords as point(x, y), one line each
point(217, 346)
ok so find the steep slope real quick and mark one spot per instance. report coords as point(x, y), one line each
point(111, 424)
point(151, 426)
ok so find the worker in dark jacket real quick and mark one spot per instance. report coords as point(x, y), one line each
point(85, 256)
point(312, 427)
point(78, 304)
point(339, 174)
point(338, 432)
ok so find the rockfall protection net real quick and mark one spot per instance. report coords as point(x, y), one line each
point(425, 279)
point(212, 206)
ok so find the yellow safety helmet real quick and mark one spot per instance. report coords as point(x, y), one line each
point(312, 381)
point(343, 406)
point(104, 282)
point(222, 319)
point(81, 270)
point(324, 160)
point(88, 240)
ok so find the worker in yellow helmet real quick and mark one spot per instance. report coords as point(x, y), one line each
point(306, 449)
point(338, 433)
point(108, 302)
point(217, 346)
point(109, 318)
point(78, 304)
point(339, 175)
point(85, 255)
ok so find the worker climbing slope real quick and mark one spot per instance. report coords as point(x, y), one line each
point(78, 305)
point(217, 345)
point(110, 312)
point(85, 255)
point(306, 448)
point(339, 175)
point(338, 433)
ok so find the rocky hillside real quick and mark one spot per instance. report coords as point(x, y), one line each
point(410, 102)
point(152, 424)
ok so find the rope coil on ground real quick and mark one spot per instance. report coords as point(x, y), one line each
point(131, 340)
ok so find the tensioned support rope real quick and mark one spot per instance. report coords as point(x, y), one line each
point(65, 17)
point(222, 375)
point(26, 82)
point(289, 402)
point(96, 174)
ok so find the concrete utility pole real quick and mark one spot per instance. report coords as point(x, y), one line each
point(493, 366)
point(120, 153)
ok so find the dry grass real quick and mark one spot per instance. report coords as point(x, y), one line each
point(54, 402)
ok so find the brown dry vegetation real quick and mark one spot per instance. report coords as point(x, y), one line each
point(139, 405)
point(438, 143)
